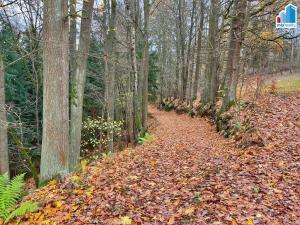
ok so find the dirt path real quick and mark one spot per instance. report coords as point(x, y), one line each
point(187, 175)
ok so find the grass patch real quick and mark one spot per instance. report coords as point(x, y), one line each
point(288, 86)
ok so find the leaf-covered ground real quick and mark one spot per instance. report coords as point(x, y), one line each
point(187, 175)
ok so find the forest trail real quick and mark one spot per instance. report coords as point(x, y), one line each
point(187, 175)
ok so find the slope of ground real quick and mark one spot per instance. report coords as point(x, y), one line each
point(187, 175)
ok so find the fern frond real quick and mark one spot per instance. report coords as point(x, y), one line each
point(24, 208)
point(4, 182)
point(4, 179)
point(12, 191)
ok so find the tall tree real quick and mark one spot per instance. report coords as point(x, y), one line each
point(55, 145)
point(4, 164)
point(234, 52)
point(181, 27)
point(132, 79)
point(210, 88)
point(72, 37)
point(199, 48)
point(189, 56)
point(109, 58)
point(78, 84)
point(145, 64)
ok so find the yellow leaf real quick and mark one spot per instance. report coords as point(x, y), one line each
point(153, 162)
point(83, 166)
point(133, 177)
point(46, 222)
point(58, 204)
point(88, 193)
point(78, 191)
point(189, 211)
point(75, 207)
point(67, 216)
point(76, 179)
point(52, 183)
point(233, 222)
point(250, 222)
point(125, 220)
point(226, 192)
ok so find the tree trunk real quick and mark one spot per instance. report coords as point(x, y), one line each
point(55, 146)
point(134, 68)
point(73, 32)
point(110, 72)
point(191, 76)
point(145, 65)
point(199, 47)
point(177, 73)
point(233, 58)
point(189, 57)
point(210, 88)
point(4, 163)
point(78, 82)
point(132, 76)
point(182, 44)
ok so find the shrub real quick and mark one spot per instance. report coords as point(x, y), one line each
point(10, 193)
point(95, 136)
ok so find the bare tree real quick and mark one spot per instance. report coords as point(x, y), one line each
point(210, 88)
point(234, 53)
point(78, 84)
point(189, 57)
point(199, 48)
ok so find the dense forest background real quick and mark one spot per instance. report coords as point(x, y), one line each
point(78, 75)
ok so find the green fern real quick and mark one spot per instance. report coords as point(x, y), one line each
point(10, 192)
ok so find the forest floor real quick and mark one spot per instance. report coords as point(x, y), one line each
point(187, 175)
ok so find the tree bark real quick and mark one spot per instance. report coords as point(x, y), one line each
point(210, 88)
point(189, 57)
point(233, 58)
point(181, 24)
point(145, 64)
point(55, 145)
point(4, 163)
point(132, 76)
point(178, 60)
point(78, 82)
point(73, 33)
point(110, 71)
point(199, 47)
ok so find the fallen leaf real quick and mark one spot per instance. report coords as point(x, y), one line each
point(189, 211)
point(171, 220)
point(58, 204)
point(250, 222)
point(83, 166)
point(233, 222)
point(153, 162)
point(75, 207)
point(125, 220)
